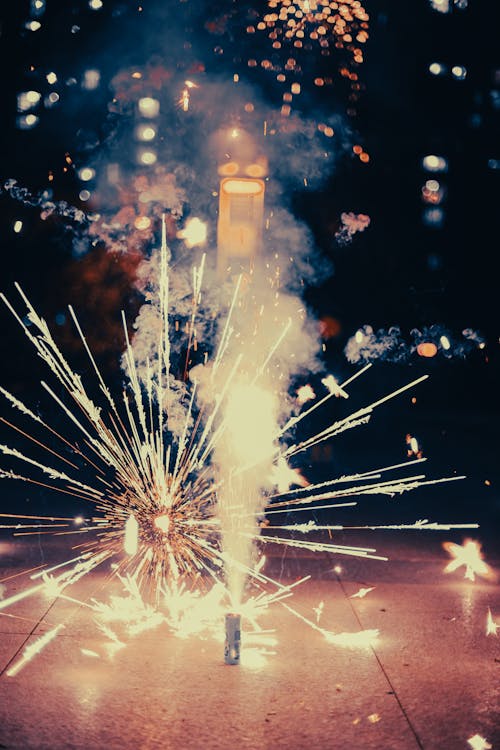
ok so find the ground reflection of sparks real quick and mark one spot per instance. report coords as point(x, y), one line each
point(470, 556)
point(32, 650)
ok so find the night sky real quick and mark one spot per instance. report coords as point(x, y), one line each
point(403, 270)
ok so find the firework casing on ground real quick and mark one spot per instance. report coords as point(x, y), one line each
point(232, 645)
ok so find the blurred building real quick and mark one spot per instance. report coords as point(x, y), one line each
point(241, 201)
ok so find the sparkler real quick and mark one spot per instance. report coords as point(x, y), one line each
point(172, 517)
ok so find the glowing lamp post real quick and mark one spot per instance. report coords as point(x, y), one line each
point(239, 229)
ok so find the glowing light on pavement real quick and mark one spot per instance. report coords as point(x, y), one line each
point(491, 625)
point(362, 593)
point(470, 556)
point(32, 650)
point(477, 742)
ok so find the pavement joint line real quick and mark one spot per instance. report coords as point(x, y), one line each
point(383, 670)
point(41, 619)
point(22, 645)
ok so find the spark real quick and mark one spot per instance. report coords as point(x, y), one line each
point(283, 476)
point(362, 593)
point(360, 639)
point(479, 743)
point(318, 611)
point(470, 556)
point(330, 382)
point(88, 652)
point(184, 100)
point(305, 393)
point(491, 625)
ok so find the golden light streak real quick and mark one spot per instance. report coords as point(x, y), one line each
point(32, 650)
point(361, 639)
point(362, 592)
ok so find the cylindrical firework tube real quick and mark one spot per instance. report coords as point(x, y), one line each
point(232, 645)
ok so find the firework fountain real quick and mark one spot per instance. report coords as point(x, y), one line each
point(173, 515)
point(187, 480)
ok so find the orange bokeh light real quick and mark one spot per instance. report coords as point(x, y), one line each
point(427, 349)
